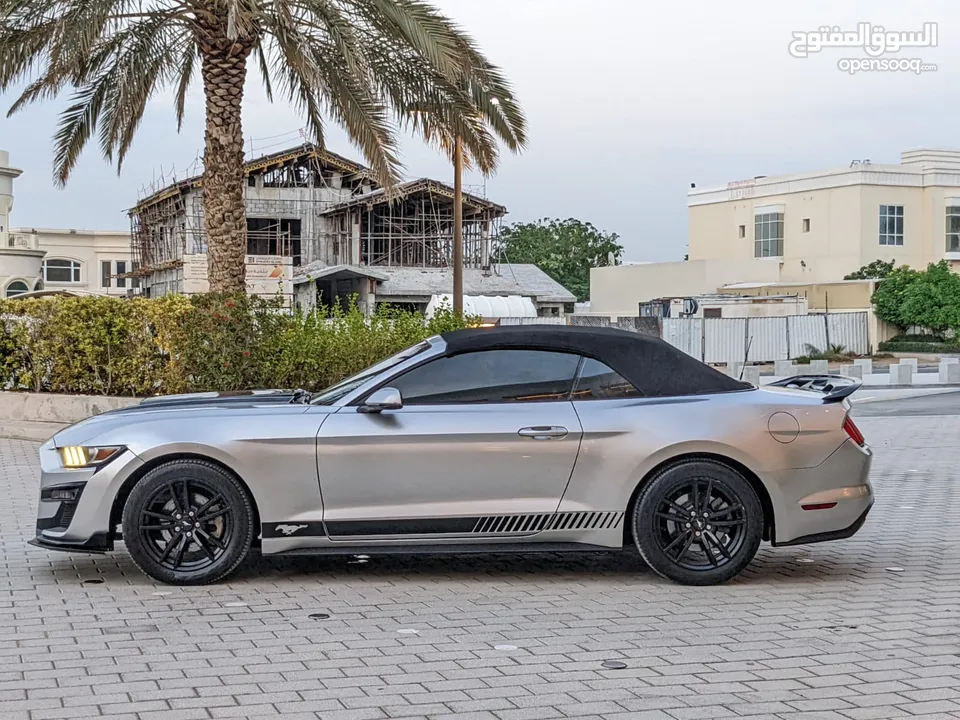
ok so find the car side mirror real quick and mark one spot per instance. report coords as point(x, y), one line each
point(386, 398)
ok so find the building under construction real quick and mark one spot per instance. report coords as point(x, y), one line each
point(336, 233)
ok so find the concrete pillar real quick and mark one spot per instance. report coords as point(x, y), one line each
point(901, 374)
point(734, 368)
point(751, 374)
point(783, 368)
point(866, 364)
point(854, 371)
point(819, 367)
point(912, 362)
point(950, 370)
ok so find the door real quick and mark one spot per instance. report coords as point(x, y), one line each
point(480, 434)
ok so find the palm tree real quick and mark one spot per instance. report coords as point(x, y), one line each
point(431, 125)
point(363, 64)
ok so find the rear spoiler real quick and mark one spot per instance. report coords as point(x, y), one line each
point(834, 387)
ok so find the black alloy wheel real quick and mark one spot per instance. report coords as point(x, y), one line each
point(698, 522)
point(188, 522)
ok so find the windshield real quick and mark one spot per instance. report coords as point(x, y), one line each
point(347, 386)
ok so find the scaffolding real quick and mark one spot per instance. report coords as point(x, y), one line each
point(315, 207)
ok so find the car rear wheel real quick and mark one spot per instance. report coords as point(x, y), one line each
point(188, 522)
point(698, 522)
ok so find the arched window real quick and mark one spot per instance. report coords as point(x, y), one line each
point(38, 285)
point(58, 270)
point(17, 287)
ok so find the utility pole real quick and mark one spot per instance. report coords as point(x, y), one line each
point(457, 227)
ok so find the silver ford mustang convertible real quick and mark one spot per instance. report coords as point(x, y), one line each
point(521, 439)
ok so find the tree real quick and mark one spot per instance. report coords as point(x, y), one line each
point(932, 300)
point(565, 250)
point(877, 270)
point(888, 299)
point(368, 65)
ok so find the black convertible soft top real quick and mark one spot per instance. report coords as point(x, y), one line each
point(655, 367)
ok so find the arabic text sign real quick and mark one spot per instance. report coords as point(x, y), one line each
point(269, 275)
point(874, 39)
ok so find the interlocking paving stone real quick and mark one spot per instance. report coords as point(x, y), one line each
point(840, 638)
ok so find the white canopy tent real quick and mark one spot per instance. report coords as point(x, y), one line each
point(489, 307)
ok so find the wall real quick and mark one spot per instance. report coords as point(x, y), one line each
point(89, 248)
point(618, 290)
point(7, 176)
point(844, 295)
point(19, 264)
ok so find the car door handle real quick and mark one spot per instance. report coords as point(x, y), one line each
point(543, 432)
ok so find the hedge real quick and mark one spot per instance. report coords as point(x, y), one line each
point(173, 344)
point(900, 339)
point(918, 347)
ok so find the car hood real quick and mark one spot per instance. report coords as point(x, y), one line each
point(183, 406)
point(220, 399)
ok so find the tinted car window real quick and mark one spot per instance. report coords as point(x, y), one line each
point(598, 382)
point(490, 376)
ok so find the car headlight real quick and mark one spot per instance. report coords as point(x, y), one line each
point(75, 457)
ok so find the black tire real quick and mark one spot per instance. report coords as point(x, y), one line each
point(169, 544)
point(698, 522)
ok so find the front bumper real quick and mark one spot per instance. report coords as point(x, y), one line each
point(98, 543)
point(82, 524)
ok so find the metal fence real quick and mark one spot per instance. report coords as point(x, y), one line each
point(721, 340)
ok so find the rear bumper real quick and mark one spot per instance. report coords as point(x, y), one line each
point(837, 496)
point(829, 535)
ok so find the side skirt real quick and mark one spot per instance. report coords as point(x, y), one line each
point(451, 549)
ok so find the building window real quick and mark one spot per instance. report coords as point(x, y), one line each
point(953, 228)
point(743, 231)
point(17, 287)
point(121, 269)
point(56, 270)
point(134, 281)
point(806, 225)
point(105, 273)
point(891, 224)
point(768, 235)
point(712, 313)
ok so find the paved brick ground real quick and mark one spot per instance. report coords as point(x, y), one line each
point(844, 637)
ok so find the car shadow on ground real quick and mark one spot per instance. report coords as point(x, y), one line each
point(771, 566)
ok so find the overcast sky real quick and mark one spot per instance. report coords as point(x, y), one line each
point(628, 103)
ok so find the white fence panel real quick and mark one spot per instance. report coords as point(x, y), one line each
point(850, 331)
point(806, 330)
point(685, 334)
point(767, 337)
point(724, 339)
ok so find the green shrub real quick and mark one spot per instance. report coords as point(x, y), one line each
point(919, 347)
point(917, 339)
point(138, 347)
point(833, 353)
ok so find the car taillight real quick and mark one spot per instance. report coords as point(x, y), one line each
point(853, 431)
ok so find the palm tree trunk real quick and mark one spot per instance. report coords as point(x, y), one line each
point(457, 227)
point(224, 70)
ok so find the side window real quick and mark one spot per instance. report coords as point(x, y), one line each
point(598, 382)
point(490, 376)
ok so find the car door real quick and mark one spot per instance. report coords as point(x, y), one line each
point(479, 435)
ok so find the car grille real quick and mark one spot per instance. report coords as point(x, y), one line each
point(66, 516)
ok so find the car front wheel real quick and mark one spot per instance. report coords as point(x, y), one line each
point(188, 522)
point(698, 522)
